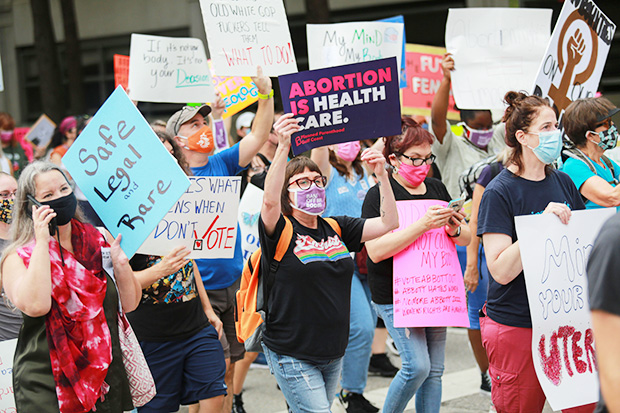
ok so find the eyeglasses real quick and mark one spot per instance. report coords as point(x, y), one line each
point(8, 194)
point(420, 161)
point(306, 183)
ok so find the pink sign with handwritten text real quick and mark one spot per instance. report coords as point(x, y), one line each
point(428, 281)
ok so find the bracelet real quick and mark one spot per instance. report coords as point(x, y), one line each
point(267, 96)
point(456, 235)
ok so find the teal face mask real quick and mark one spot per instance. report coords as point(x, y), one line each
point(608, 138)
point(549, 146)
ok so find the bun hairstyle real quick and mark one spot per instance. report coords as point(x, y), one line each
point(521, 111)
point(412, 134)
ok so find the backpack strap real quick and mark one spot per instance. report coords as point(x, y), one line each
point(335, 226)
point(285, 240)
point(610, 165)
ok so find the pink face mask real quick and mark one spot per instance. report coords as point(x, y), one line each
point(348, 151)
point(6, 136)
point(415, 175)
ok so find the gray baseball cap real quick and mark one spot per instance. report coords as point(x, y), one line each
point(183, 115)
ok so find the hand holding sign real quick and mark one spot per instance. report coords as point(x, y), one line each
point(447, 65)
point(285, 127)
point(262, 82)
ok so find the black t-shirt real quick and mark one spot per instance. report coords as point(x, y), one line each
point(603, 277)
point(506, 197)
point(309, 300)
point(170, 308)
point(380, 274)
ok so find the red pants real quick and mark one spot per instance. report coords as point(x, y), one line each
point(515, 386)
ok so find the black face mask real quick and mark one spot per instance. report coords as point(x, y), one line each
point(64, 208)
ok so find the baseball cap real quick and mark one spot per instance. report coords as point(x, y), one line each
point(183, 115)
point(608, 115)
point(245, 119)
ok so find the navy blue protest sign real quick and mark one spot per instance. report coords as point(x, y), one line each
point(343, 103)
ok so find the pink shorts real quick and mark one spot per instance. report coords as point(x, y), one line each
point(515, 386)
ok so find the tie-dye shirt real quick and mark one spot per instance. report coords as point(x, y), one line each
point(309, 301)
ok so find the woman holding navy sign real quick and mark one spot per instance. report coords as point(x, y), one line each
point(308, 303)
point(68, 355)
point(421, 349)
point(526, 186)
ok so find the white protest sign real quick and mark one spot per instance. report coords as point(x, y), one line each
point(7, 352)
point(344, 43)
point(169, 69)
point(42, 131)
point(243, 34)
point(249, 212)
point(495, 50)
point(204, 219)
point(1, 78)
point(573, 63)
point(554, 264)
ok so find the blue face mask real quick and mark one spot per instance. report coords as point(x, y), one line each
point(549, 146)
point(608, 138)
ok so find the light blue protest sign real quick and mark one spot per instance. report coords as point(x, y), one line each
point(403, 66)
point(127, 175)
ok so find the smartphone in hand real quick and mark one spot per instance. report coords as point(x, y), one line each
point(456, 204)
point(52, 225)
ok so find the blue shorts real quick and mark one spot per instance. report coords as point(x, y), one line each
point(475, 300)
point(185, 371)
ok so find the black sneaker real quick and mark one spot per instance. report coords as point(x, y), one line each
point(485, 385)
point(380, 364)
point(237, 406)
point(356, 403)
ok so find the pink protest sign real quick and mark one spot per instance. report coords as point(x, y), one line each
point(428, 281)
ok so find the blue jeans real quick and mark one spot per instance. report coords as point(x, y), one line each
point(422, 352)
point(361, 332)
point(307, 386)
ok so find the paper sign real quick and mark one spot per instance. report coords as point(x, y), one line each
point(243, 34)
point(572, 66)
point(424, 75)
point(127, 175)
point(121, 71)
point(554, 264)
point(343, 103)
point(7, 352)
point(1, 78)
point(169, 69)
point(345, 43)
point(428, 281)
point(249, 212)
point(204, 220)
point(42, 131)
point(403, 68)
point(238, 92)
point(495, 50)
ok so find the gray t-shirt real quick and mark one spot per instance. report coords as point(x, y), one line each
point(10, 319)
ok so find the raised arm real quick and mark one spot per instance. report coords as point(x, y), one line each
point(388, 217)
point(320, 156)
point(439, 108)
point(30, 289)
point(271, 209)
point(261, 126)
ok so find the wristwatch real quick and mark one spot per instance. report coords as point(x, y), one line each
point(458, 232)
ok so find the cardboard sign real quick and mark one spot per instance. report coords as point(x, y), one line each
point(495, 50)
point(127, 175)
point(573, 63)
point(121, 71)
point(403, 68)
point(169, 69)
point(204, 219)
point(339, 44)
point(343, 103)
point(238, 92)
point(554, 265)
point(428, 281)
point(249, 212)
point(424, 75)
point(7, 353)
point(244, 34)
point(42, 131)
